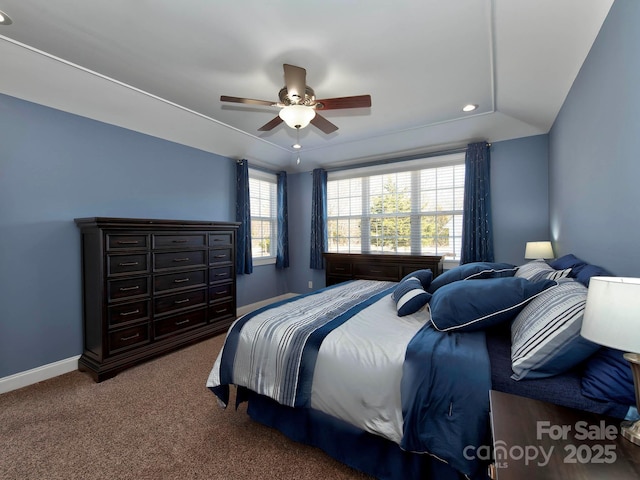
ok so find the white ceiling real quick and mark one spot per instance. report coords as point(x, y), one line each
point(159, 67)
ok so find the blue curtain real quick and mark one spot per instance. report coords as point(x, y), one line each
point(318, 219)
point(282, 254)
point(477, 229)
point(244, 262)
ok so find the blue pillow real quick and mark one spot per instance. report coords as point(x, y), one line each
point(567, 261)
point(474, 270)
point(607, 377)
point(470, 306)
point(410, 296)
point(425, 277)
point(585, 273)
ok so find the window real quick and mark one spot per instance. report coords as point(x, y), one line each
point(412, 207)
point(264, 223)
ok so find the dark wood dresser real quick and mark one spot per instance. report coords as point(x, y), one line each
point(340, 267)
point(151, 286)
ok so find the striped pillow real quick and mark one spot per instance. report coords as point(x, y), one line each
point(410, 296)
point(537, 270)
point(545, 336)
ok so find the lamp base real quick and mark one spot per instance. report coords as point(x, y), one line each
point(631, 430)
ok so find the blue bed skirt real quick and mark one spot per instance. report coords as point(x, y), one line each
point(360, 450)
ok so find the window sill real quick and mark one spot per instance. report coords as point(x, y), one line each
point(258, 261)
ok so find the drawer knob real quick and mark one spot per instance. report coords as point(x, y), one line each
point(219, 256)
point(221, 274)
point(185, 259)
point(133, 312)
point(178, 302)
point(181, 280)
point(128, 264)
point(128, 242)
point(180, 240)
point(182, 322)
point(222, 292)
point(221, 311)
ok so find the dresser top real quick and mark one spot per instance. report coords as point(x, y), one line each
point(148, 222)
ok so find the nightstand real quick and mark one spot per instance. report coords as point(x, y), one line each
point(534, 439)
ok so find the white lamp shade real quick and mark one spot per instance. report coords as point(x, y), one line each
point(297, 116)
point(538, 250)
point(612, 314)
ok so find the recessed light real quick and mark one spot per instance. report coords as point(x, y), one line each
point(297, 146)
point(4, 19)
point(469, 108)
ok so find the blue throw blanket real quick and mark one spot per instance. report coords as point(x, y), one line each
point(445, 396)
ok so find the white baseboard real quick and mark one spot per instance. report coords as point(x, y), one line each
point(45, 372)
point(250, 308)
point(38, 374)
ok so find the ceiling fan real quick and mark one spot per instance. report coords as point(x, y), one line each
point(298, 103)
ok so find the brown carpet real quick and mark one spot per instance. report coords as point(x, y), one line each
point(153, 421)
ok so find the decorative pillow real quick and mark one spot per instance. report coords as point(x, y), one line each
point(545, 336)
point(540, 270)
point(469, 306)
point(425, 277)
point(607, 377)
point(473, 270)
point(567, 261)
point(410, 296)
point(587, 271)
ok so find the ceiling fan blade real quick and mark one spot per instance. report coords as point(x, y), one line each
point(295, 78)
point(323, 124)
point(357, 101)
point(270, 125)
point(224, 98)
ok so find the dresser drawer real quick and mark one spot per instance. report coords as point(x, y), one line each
point(127, 264)
point(175, 281)
point(128, 312)
point(222, 310)
point(178, 323)
point(336, 268)
point(122, 242)
point(219, 274)
point(220, 255)
point(220, 239)
point(128, 337)
point(220, 292)
point(130, 287)
point(171, 303)
point(179, 241)
point(378, 272)
point(189, 258)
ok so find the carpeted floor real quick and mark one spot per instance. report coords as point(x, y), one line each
point(154, 421)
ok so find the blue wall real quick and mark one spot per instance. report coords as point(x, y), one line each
point(55, 167)
point(594, 151)
point(519, 195)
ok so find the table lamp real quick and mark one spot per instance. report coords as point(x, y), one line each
point(535, 250)
point(612, 318)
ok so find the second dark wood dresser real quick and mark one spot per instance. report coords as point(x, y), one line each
point(151, 286)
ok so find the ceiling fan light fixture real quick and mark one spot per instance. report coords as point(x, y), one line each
point(297, 116)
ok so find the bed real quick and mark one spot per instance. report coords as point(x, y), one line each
point(393, 378)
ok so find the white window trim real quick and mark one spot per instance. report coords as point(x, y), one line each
point(393, 167)
point(271, 178)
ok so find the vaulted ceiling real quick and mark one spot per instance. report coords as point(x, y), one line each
point(160, 67)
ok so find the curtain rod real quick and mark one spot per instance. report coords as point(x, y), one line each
point(401, 159)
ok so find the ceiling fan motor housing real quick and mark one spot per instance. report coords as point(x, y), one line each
point(294, 99)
